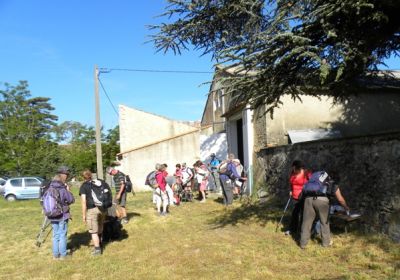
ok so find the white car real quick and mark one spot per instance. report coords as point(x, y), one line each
point(22, 188)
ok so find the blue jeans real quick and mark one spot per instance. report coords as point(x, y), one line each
point(60, 229)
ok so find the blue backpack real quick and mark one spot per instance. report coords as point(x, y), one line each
point(52, 206)
point(317, 185)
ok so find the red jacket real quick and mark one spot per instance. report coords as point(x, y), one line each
point(297, 182)
point(161, 180)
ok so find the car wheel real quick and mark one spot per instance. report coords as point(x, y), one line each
point(11, 197)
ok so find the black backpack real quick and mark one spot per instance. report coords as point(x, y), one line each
point(128, 184)
point(112, 229)
point(101, 194)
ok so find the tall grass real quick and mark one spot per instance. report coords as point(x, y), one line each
point(196, 241)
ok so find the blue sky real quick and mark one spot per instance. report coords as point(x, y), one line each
point(55, 44)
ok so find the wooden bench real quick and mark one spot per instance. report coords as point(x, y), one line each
point(343, 219)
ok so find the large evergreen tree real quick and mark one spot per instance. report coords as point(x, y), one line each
point(286, 46)
point(26, 125)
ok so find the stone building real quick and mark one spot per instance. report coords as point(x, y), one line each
point(249, 131)
point(349, 136)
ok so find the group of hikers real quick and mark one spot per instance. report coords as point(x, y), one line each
point(311, 193)
point(226, 177)
point(99, 208)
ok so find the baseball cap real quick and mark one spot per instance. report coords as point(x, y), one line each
point(109, 170)
point(63, 170)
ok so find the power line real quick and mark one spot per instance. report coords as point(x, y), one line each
point(105, 92)
point(108, 70)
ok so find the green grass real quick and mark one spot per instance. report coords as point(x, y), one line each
point(196, 241)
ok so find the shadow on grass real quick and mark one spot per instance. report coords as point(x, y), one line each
point(78, 239)
point(133, 215)
point(246, 213)
point(219, 200)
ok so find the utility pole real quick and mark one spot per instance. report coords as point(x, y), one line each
point(99, 154)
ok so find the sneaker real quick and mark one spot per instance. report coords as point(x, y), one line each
point(96, 252)
point(163, 214)
point(287, 232)
point(202, 201)
point(124, 221)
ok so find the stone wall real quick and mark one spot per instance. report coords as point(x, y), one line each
point(368, 171)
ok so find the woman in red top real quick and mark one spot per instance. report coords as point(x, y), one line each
point(298, 177)
point(161, 193)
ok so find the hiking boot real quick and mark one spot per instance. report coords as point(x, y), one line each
point(96, 252)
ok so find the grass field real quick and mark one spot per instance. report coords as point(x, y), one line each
point(196, 241)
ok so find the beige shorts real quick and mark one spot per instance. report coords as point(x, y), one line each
point(95, 220)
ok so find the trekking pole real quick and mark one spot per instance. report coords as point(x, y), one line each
point(284, 211)
point(41, 237)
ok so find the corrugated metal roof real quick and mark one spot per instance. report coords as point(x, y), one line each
point(298, 136)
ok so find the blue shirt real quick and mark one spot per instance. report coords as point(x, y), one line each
point(214, 163)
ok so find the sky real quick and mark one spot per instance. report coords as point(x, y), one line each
point(55, 45)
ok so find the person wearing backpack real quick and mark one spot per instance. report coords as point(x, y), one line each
point(96, 198)
point(120, 191)
point(213, 165)
point(317, 193)
point(187, 178)
point(228, 174)
point(161, 192)
point(298, 177)
point(202, 177)
point(56, 201)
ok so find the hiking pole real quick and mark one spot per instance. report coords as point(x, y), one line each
point(284, 211)
point(40, 238)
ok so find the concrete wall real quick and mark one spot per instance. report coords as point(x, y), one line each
point(215, 143)
point(138, 163)
point(368, 169)
point(138, 128)
point(361, 115)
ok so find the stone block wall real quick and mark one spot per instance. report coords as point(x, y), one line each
point(368, 171)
